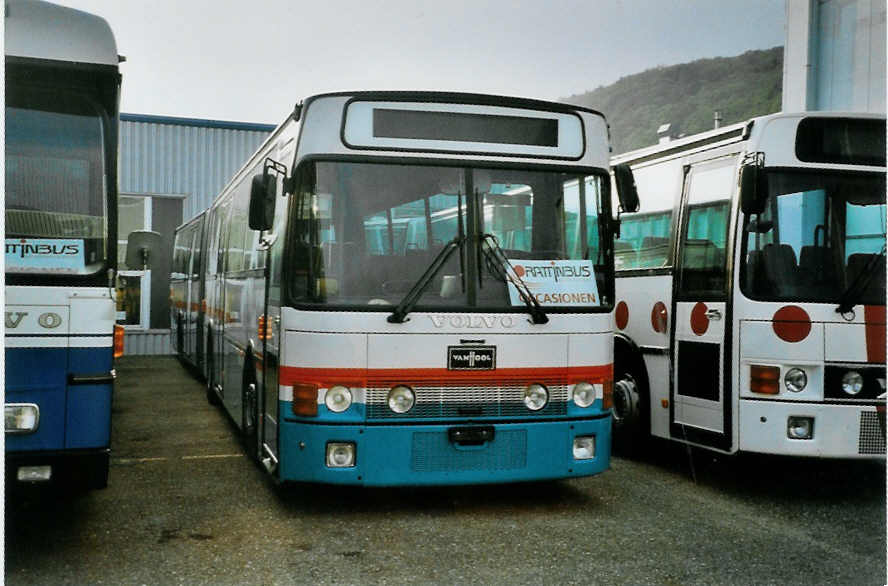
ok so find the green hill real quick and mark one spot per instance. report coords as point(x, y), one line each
point(687, 96)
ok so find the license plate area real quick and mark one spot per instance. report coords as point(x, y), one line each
point(471, 436)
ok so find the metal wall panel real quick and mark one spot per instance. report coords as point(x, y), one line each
point(179, 156)
point(195, 158)
point(147, 342)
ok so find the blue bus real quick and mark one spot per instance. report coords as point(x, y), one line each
point(62, 101)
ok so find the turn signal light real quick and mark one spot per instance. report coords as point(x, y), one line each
point(607, 400)
point(305, 399)
point(764, 380)
point(118, 341)
point(264, 328)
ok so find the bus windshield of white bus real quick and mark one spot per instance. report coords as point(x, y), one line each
point(362, 234)
point(56, 198)
point(819, 232)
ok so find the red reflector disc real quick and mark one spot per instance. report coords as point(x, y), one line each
point(791, 323)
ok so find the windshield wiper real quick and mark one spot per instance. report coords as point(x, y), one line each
point(847, 300)
point(409, 301)
point(492, 251)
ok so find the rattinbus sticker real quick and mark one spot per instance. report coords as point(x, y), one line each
point(557, 282)
point(45, 255)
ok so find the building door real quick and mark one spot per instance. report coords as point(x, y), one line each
point(700, 390)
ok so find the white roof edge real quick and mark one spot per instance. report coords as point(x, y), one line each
point(712, 136)
point(41, 30)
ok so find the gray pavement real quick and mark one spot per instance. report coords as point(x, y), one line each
point(184, 506)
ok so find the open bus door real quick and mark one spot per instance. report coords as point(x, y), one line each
point(700, 402)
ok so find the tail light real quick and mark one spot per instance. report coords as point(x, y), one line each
point(305, 399)
point(764, 380)
point(118, 340)
point(607, 400)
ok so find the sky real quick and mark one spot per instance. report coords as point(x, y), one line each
point(252, 61)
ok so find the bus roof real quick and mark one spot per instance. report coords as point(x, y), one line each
point(39, 30)
point(752, 129)
point(457, 97)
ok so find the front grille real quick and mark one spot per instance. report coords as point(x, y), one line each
point(433, 452)
point(467, 400)
point(872, 433)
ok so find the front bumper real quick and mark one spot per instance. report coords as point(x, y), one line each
point(405, 455)
point(72, 468)
point(839, 431)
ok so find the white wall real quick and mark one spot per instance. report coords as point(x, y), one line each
point(835, 55)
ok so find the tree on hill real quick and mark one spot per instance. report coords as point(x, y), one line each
point(687, 96)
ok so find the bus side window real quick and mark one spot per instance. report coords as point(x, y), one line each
point(645, 240)
point(705, 236)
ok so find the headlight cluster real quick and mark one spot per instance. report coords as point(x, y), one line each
point(401, 399)
point(338, 399)
point(795, 380)
point(852, 383)
point(584, 394)
point(536, 396)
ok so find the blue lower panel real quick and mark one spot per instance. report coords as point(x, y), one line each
point(89, 406)
point(393, 455)
point(71, 416)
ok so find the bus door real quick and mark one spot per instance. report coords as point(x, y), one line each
point(700, 392)
point(271, 340)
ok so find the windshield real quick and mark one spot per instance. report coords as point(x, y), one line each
point(819, 231)
point(55, 183)
point(365, 233)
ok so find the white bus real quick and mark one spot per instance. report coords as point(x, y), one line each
point(404, 288)
point(62, 95)
point(751, 289)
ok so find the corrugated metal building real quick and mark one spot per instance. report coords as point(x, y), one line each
point(834, 57)
point(170, 171)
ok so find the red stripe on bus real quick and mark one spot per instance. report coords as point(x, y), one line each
point(379, 376)
point(874, 316)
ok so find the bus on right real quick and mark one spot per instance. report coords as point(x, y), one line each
point(750, 289)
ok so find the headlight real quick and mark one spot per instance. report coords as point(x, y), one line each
point(536, 396)
point(21, 417)
point(401, 399)
point(338, 399)
point(852, 382)
point(584, 447)
point(583, 394)
point(795, 380)
point(340, 455)
point(800, 428)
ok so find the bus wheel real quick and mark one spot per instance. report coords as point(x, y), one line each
point(212, 397)
point(180, 337)
point(630, 407)
point(250, 415)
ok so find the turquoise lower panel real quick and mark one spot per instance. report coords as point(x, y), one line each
point(403, 455)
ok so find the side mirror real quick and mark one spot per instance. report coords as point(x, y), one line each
point(626, 190)
point(262, 192)
point(753, 189)
point(140, 246)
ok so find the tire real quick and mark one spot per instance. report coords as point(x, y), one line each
point(631, 412)
point(180, 338)
point(250, 412)
point(212, 397)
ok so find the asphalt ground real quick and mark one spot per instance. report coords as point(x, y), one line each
point(185, 506)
